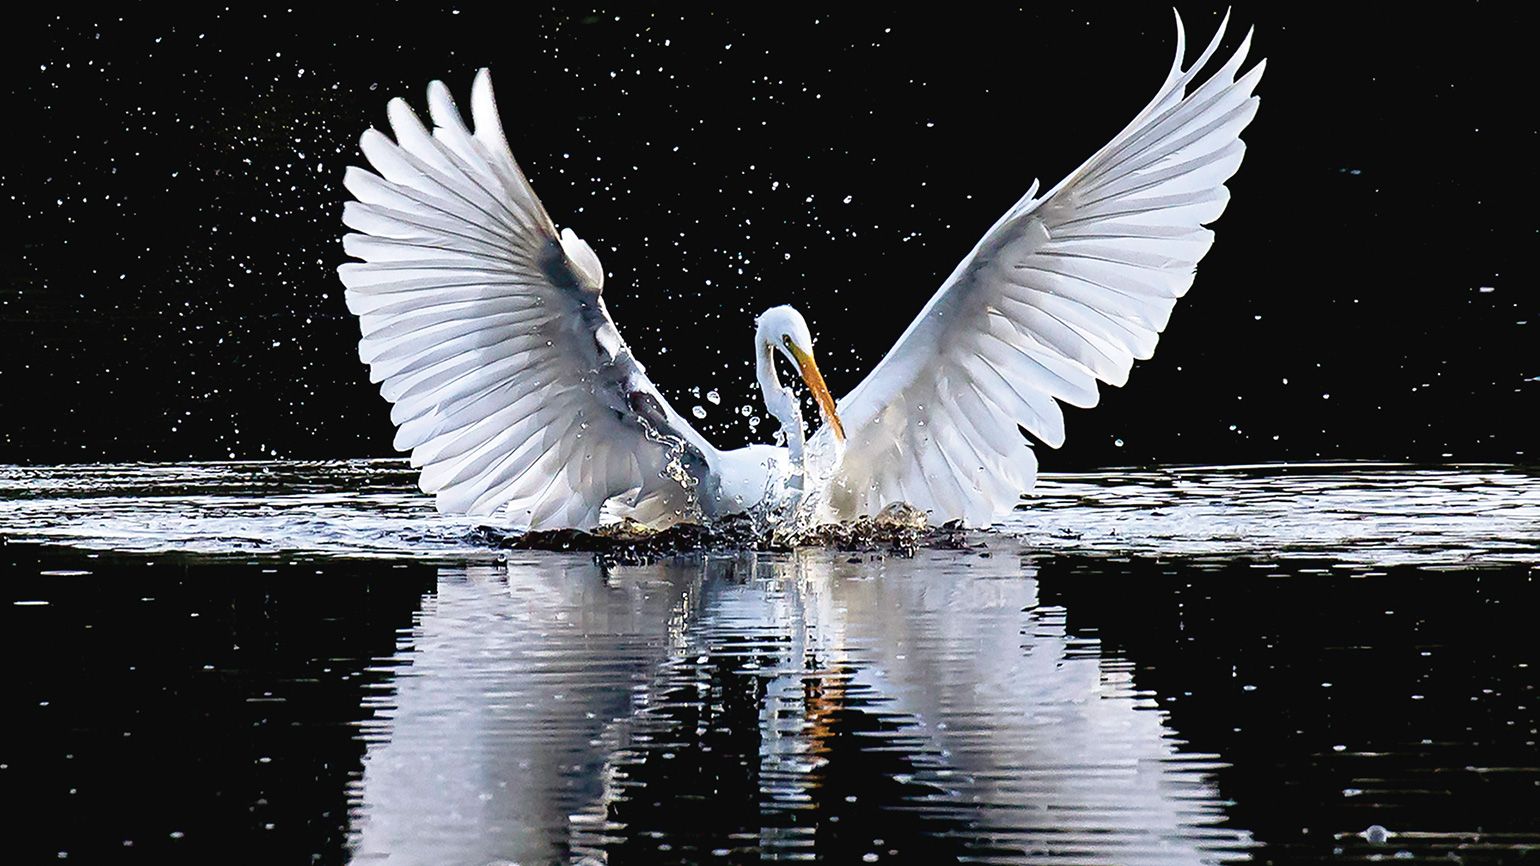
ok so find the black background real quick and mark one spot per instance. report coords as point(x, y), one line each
point(172, 202)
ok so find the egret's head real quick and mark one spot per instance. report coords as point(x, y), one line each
point(783, 329)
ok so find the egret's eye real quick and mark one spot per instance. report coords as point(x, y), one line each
point(786, 338)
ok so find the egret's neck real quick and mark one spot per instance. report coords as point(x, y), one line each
point(780, 401)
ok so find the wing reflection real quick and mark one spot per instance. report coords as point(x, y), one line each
point(508, 707)
point(924, 710)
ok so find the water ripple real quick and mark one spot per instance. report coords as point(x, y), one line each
point(1360, 514)
point(1356, 513)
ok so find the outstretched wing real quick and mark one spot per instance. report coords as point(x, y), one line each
point(487, 330)
point(1065, 290)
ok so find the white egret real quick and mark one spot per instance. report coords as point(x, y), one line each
point(486, 328)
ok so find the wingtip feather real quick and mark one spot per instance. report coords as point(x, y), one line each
point(372, 137)
point(403, 120)
point(489, 127)
point(1181, 48)
point(354, 177)
point(1213, 46)
point(441, 106)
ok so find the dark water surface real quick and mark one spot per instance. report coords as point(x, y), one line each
point(248, 663)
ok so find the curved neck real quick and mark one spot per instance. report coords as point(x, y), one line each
point(780, 401)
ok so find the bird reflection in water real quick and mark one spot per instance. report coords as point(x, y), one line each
point(743, 706)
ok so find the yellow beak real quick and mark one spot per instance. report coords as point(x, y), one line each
point(814, 381)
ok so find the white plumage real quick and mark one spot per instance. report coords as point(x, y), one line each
point(486, 327)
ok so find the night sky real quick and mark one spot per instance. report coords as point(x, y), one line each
point(172, 202)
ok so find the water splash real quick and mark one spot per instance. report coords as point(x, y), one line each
point(899, 529)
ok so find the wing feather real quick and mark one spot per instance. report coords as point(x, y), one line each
point(485, 327)
point(1066, 290)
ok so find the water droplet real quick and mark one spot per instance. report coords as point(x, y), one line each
point(698, 411)
point(714, 397)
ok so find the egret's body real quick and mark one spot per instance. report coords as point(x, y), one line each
point(517, 397)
